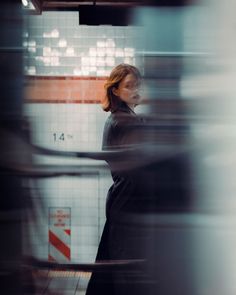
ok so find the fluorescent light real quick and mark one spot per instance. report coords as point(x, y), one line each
point(29, 6)
point(25, 2)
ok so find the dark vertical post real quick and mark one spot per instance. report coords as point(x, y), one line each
point(11, 191)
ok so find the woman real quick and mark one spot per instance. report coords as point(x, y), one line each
point(151, 180)
point(120, 131)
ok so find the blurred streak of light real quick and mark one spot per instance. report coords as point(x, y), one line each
point(25, 2)
point(201, 38)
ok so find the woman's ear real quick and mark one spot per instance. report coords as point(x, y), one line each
point(115, 91)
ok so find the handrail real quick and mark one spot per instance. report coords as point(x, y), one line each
point(102, 266)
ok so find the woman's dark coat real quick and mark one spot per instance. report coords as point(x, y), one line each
point(136, 191)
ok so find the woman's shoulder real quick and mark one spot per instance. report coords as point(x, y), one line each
point(116, 119)
point(120, 118)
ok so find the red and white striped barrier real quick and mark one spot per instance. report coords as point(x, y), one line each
point(59, 235)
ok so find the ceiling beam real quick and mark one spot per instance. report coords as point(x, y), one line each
point(72, 3)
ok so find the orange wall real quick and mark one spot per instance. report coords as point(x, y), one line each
point(49, 89)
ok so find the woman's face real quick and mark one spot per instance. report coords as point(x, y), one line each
point(128, 91)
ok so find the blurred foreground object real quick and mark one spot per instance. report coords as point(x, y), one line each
point(189, 69)
point(14, 199)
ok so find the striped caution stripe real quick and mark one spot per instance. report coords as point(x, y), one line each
point(59, 245)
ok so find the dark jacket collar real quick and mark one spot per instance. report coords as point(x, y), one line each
point(123, 107)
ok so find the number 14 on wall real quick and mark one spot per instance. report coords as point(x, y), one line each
point(61, 136)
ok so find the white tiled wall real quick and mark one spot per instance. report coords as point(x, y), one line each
point(81, 126)
point(67, 126)
point(57, 45)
